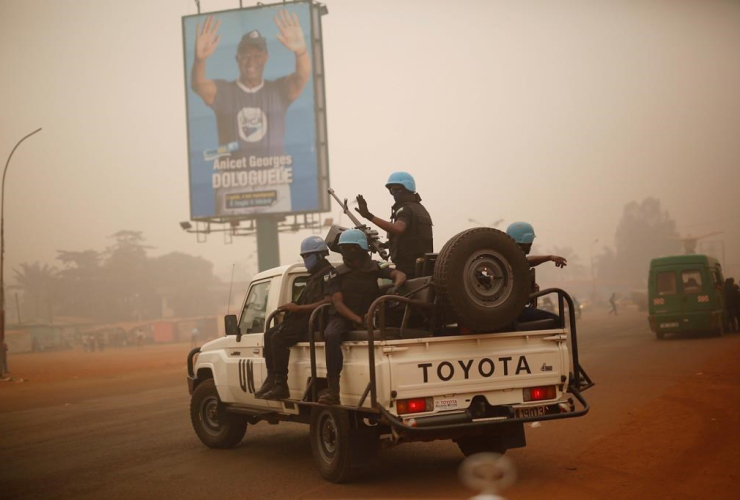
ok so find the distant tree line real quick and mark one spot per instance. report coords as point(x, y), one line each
point(645, 231)
point(119, 283)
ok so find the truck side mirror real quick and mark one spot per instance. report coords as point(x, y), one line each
point(231, 324)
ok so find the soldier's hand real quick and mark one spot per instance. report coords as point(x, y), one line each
point(289, 307)
point(559, 261)
point(206, 39)
point(362, 208)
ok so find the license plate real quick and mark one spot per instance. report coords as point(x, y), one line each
point(669, 325)
point(534, 411)
point(446, 404)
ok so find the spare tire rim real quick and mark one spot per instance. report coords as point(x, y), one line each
point(488, 278)
point(327, 437)
point(209, 415)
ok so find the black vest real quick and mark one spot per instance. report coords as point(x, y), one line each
point(415, 241)
point(315, 288)
point(359, 286)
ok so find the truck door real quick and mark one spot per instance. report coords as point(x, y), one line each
point(246, 362)
point(665, 300)
point(696, 290)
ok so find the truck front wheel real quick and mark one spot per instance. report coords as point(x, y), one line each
point(214, 426)
point(481, 444)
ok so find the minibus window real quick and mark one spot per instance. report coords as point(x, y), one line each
point(691, 281)
point(666, 283)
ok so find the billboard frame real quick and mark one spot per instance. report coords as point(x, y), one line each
point(318, 75)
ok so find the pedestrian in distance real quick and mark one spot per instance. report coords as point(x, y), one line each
point(353, 287)
point(409, 229)
point(194, 337)
point(613, 302)
point(294, 328)
point(139, 338)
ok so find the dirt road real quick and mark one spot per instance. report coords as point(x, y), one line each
point(665, 423)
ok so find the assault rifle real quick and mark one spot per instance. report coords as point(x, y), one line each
point(373, 240)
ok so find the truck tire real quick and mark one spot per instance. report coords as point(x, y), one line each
point(215, 427)
point(330, 444)
point(482, 278)
point(471, 445)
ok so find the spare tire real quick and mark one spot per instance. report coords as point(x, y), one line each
point(482, 279)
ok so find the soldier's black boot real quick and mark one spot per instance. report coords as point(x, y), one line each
point(331, 396)
point(266, 385)
point(279, 389)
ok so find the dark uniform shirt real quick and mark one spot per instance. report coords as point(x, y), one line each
point(416, 240)
point(359, 287)
point(315, 290)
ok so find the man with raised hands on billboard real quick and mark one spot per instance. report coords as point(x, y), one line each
point(250, 111)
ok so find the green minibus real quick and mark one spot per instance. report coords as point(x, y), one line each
point(685, 295)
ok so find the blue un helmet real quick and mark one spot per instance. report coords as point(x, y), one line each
point(314, 244)
point(313, 250)
point(521, 232)
point(353, 237)
point(404, 179)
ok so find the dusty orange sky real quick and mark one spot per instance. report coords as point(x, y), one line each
point(554, 112)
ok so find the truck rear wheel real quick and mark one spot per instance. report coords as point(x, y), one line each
point(481, 444)
point(215, 427)
point(483, 279)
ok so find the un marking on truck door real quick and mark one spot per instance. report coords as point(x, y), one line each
point(485, 367)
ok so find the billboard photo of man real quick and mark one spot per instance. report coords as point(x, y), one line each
point(262, 153)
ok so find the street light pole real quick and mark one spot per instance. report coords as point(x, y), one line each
point(2, 257)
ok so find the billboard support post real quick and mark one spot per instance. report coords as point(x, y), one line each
point(268, 243)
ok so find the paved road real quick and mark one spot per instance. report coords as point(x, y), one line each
point(664, 424)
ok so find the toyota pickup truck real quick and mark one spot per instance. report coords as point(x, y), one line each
point(443, 358)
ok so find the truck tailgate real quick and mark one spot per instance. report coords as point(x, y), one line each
point(493, 365)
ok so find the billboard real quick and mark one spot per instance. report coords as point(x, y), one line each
point(255, 112)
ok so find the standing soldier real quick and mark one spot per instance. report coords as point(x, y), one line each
point(410, 227)
point(279, 339)
point(353, 288)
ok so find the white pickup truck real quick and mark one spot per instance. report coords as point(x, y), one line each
point(430, 377)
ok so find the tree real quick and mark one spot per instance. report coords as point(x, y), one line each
point(39, 286)
point(644, 232)
point(129, 290)
point(186, 281)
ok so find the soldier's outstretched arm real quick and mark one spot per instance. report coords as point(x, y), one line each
point(397, 227)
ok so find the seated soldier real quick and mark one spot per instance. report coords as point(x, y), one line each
point(523, 234)
point(279, 339)
point(353, 287)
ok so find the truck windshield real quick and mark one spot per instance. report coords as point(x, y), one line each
point(691, 281)
point(253, 316)
point(666, 283)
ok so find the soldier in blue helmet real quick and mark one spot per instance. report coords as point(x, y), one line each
point(410, 226)
point(279, 339)
point(523, 234)
point(353, 287)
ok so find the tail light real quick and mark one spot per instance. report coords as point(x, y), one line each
point(540, 393)
point(416, 405)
